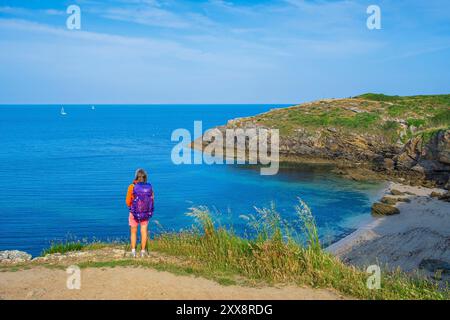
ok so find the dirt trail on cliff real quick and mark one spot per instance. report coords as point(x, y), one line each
point(138, 283)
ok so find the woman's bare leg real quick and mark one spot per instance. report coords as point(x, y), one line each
point(133, 232)
point(144, 236)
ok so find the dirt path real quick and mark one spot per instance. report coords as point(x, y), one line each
point(137, 283)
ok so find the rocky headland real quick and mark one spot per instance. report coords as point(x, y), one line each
point(368, 137)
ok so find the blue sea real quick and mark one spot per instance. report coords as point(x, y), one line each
point(66, 177)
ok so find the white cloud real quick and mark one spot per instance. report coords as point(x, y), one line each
point(17, 11)
point(134, 46)
point(150, 16)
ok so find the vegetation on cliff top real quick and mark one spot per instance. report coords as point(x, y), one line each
point(392, 116)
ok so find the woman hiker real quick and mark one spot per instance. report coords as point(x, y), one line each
point(140, 201)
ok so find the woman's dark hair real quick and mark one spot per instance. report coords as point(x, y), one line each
point(140, 173)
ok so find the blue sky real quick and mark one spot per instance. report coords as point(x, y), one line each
point(213, 51)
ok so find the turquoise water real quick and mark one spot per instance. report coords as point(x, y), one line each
point(66, 176)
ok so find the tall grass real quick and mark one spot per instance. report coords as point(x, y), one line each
point(63, 247)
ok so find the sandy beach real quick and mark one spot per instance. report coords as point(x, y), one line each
point(416, 239)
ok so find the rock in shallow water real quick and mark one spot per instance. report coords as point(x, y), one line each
point(396, 192)
point(393, 201)
point(382, 209)
point(11, 256)
point(434, 265)
point(435, 194)
point(389, 200)
point(445, 197)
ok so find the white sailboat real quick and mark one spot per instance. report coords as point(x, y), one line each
point(63, 113)
point(93, 107)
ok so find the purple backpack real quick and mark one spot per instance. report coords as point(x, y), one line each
point(142, 205)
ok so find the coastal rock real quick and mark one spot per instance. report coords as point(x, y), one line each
point(389, 164)
point(435, 194)
point(332, 130)
point(445, 197)
point(389, 200)
point(443, 147)
point(396, 192)
point(13, 256)
point(428, 158)
point(393, 201)
point(418, 168)
point(409, 156)
point(383, 209)
point(435, 265)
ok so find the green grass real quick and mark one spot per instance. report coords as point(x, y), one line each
point(378, 97)
point(64, 247)
point(442, 118)
point(71, 245)
point(397, 110)
point(361, 120)
point(379, 115)
point(416, 122)
point(436, 99)
point(335, 118)
point(286, 123)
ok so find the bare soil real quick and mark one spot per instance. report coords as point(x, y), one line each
point(138, 283)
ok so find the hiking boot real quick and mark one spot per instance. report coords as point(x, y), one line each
point(144, 254)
